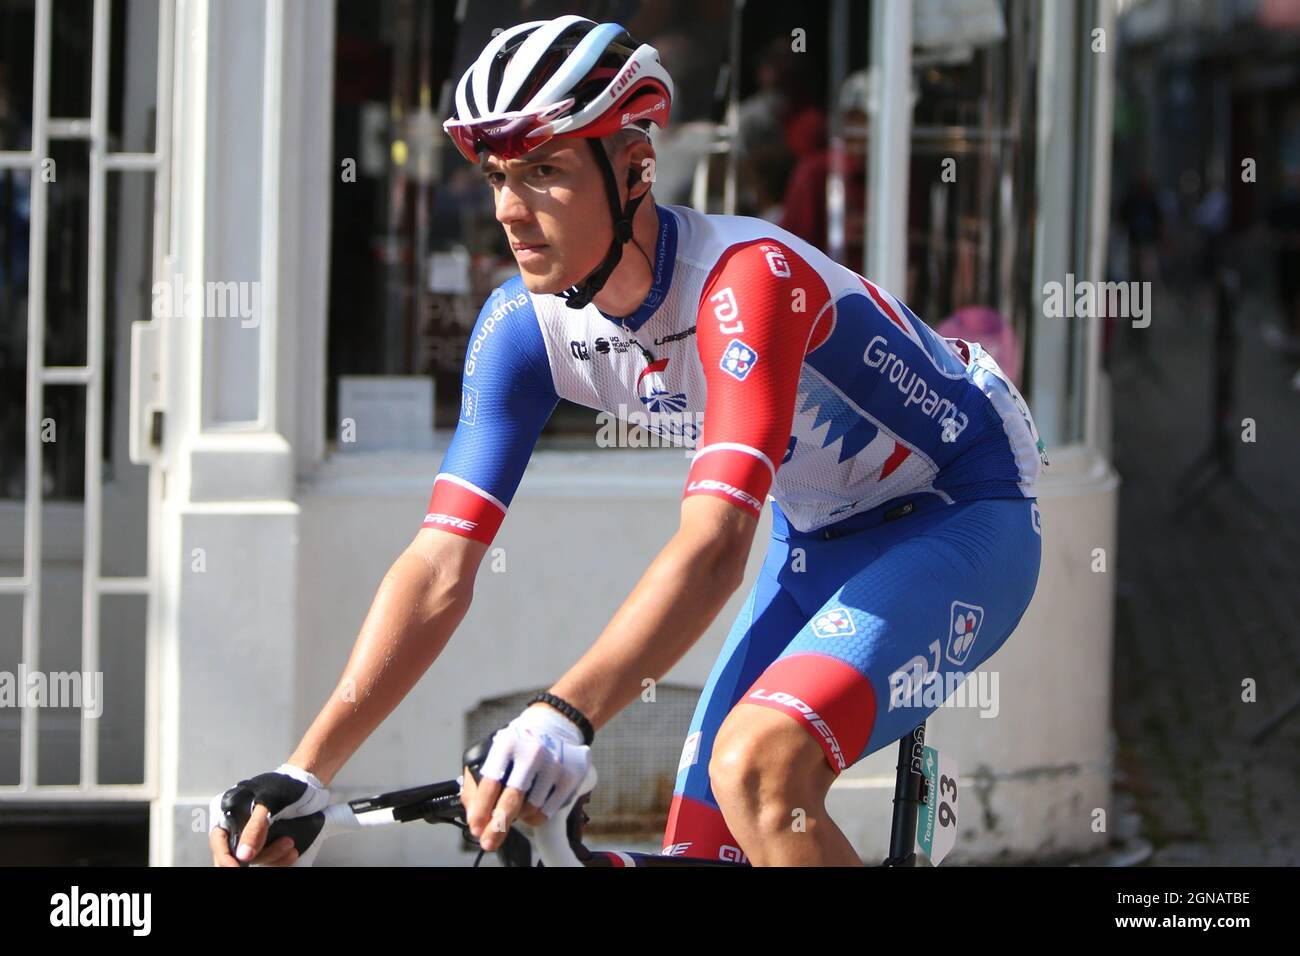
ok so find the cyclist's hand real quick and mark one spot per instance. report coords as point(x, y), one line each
point(279, 853)
point(535, 765)
point(287, 793)
point(469, 787)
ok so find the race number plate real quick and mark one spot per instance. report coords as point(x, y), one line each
point(936, 824)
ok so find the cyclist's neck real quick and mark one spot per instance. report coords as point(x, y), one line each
point(630, 283)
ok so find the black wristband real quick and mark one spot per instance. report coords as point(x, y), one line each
point(568, 710)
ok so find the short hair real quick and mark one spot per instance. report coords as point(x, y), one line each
point(615, 141)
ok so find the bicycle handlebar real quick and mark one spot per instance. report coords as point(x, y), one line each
point(556, 846)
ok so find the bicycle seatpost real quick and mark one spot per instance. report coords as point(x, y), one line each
point(909, 791)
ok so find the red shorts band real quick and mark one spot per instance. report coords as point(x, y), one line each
point(697, 829)
point(828, 697)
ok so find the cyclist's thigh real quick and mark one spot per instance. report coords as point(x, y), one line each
point(766, 621)
point(940, 600)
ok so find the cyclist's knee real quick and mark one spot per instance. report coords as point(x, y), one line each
point(763, 761)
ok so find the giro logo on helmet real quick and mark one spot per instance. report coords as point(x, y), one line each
point(626, 77)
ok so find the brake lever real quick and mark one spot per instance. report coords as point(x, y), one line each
point(556, 839)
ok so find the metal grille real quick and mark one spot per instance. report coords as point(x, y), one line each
point(636, 757)
point(92, 132)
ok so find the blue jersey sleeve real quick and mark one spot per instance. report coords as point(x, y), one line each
point(507, 395)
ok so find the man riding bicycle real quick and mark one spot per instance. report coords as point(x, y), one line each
point(901, 466)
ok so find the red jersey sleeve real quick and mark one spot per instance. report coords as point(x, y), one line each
point(755, 319)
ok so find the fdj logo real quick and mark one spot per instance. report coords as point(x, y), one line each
point(836, 623)
point(962, 631)
point(738, 359)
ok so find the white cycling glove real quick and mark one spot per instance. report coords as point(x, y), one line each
point(289, 792)
point(544, 754)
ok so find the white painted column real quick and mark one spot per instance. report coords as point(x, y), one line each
point(890, 144)
point(1054, 220)
point(1097, 423)
point(229, 548)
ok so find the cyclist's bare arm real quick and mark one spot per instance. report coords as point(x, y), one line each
point(420, 602)
point(672, 604)
point(676, 599)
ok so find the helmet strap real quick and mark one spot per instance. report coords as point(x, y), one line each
point(579, 296)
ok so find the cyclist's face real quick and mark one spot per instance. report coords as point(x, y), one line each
point(552, 200)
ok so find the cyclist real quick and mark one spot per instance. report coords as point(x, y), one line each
point(901, 465)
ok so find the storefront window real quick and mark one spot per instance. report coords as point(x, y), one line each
point(416, 247)
point(971, 192)
point(801, 148)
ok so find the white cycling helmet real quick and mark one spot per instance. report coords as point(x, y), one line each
point(562, 78)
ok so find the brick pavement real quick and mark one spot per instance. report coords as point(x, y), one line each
point(1207, 597)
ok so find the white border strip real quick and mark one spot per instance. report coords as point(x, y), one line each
point(736, 446)
point(445, 476)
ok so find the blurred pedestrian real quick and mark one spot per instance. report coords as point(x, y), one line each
point(1284, 220)
point(771, 123)
point(1143, 221)
point(805, 195)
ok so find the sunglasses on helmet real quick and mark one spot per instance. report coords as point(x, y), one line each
point(508, 135)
